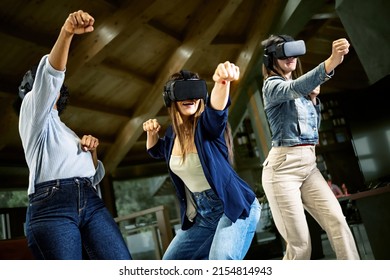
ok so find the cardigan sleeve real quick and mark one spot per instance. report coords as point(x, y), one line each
point(157, 151)
point(214, 121)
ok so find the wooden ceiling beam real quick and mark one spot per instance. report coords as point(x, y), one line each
point(203, 29)
point(125, 74)
point(11, 32)
point(129, 16)
point(250, 55)
point(98, 108)
point(159, 27)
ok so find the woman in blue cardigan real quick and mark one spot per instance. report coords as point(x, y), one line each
point(219, 211)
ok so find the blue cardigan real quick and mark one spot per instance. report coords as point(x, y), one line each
point(236, 195)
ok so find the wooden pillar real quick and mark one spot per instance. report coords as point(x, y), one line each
point(108, 195)
point(165, 227)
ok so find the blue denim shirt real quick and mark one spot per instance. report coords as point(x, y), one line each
point(292, 116)
point(236, 195)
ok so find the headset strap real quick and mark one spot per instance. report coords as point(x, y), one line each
point(186, 74)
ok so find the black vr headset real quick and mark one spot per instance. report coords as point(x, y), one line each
point(188, 88)
point(283, 50)
point(27, 82)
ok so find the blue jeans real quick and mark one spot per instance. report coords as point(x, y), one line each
point(65, 216)
point(213, 235)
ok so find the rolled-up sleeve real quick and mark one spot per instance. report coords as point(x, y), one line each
point(100, 172)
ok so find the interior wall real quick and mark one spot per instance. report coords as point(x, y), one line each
point(369, 119)
point(372, 144)
point(367, 25)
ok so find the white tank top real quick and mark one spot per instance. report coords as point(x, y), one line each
point(190, 172)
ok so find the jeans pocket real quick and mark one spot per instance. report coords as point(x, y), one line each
point(42, 194)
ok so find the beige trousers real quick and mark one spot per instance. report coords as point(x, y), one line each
point(293, 183)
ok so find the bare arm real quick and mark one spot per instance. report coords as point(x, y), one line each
point(78, 22)
point(152, 127)
point(223, 75)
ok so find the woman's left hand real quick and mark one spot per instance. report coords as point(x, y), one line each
point(313, 95)
point(226, 72)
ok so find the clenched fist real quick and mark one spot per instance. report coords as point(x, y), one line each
point(226, 72)
point(79, 22)
point(89, 143)
point(151, 125)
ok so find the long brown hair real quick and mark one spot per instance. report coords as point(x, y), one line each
point(229, 143)
point(185, 130)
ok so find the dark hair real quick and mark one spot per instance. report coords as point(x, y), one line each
point(63, 100)
point(229, 143)
point(272, 61)
point(26, 86)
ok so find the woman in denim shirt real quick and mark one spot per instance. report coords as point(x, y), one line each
point(291, 179)
point(219, 211)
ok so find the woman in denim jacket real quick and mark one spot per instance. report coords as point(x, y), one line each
point(291, 179)
point(219, 211)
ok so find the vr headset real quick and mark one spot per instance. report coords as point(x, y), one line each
point(188, 88)
point(27, 82)
point(283, 50)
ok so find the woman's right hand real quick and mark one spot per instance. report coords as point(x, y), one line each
point(79, 22)
point(152, 127)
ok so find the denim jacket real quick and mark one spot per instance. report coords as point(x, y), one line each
point(292, 116)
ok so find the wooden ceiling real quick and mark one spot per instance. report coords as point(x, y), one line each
point(116, 74)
